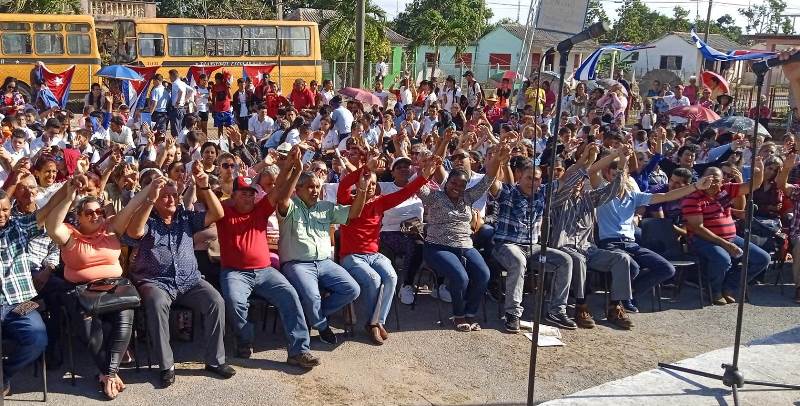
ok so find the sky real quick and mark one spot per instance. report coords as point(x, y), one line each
point(510, 9)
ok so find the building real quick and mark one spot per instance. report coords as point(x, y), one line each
point(771, 42)
point(499, 50)
point(106, 11)
point(676, 52)
point(397, 42)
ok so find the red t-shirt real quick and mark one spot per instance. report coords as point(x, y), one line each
point(302, 99)
point(243, 237)
point(222, 97)
point(716, 211)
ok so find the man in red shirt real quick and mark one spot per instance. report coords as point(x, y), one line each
point(712, 234)
point(763, 116)
point(301, 97)
point(274, 101)
point(221, 102)
point(245, 258)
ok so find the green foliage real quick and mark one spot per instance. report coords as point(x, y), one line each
point(435, 22)
point(766, 18)
point(724, 25)
point(41, 6)
point(340, 32)
point(596, 13)
point(222, 9)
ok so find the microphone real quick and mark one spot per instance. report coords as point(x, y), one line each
point(762, 67)
point(593, 31)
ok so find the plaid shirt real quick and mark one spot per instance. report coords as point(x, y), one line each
point(42, 250)
point(514, 215)
point(15, 258)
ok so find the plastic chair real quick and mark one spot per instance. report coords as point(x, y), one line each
point(658, 235)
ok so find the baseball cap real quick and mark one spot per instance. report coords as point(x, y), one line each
point(399, 160)
point(243, 183)
point(284, 148)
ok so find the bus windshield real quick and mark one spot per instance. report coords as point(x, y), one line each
point(124, 35)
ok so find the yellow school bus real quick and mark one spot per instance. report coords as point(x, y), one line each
point(177, 43)
point(59, 41)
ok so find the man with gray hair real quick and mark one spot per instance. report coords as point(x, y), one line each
point(166, 272)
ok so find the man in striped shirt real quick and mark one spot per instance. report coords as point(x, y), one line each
point(712, 234)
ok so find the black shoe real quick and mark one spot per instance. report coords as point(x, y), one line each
point(560, 320)
point(224, 370)
point(327, 336)
point(630, 306)
point(167, 377)
point(304, 360)
point(244, 350)
point(512, 323)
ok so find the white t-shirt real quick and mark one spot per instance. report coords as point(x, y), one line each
point(330, 140)
point(427, 125)
point(242, 99)
point(673, 102)
point(451, 96)
point(410, 208)
point(406, 97)
point(327, 96)
point(383, 95)
point(201, 99)
point(260, 129)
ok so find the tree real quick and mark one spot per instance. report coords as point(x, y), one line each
point(221, 9)
point(680, 21)
point(596, 13)
point(41, 6)
point(634, 23)
point(434, 22)
point(724, 25)
point(767, 18)
point(340, 31)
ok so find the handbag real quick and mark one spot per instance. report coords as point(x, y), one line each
point(107, 296)
point(412, 227)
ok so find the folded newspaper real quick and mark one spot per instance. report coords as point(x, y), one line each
point(548, 336)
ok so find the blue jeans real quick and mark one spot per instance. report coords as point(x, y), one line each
point(237, 286)
point(483, 239)
point(309, 277)
point(370, 272)
point(723, 272)
point(466, 273)
point(659, 269)
point(176, 120)
point(30, 336)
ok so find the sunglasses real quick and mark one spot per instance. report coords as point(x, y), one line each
point(229, 166)
point(320, 170)
point(101, 212)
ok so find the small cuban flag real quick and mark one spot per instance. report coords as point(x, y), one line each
point(56, 86)
point(257, 73)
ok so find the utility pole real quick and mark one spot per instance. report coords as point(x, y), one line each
point(358, 71)
point(279, 9)
point(701, 65)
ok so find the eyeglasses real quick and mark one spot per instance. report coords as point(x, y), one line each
point(229, 166)
point(101, 212)
point(320, 170)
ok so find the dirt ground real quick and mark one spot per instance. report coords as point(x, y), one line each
point(426, 364)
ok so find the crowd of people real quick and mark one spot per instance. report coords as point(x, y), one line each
point(312, 202)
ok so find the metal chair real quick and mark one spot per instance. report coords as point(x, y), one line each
point(658, 235)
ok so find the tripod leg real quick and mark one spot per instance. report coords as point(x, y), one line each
point(735, 395)
point(690, 371)
point(773, 384)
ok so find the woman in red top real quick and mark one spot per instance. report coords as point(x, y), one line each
point(359, 245)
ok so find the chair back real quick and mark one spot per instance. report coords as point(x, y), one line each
point(658, 235)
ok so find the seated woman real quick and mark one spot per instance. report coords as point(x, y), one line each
point(448, 240)
point(359, 244)
point(90, 252)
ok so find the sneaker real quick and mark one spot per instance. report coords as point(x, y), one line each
point(512, 323)
point(630, 306)
point(560, 320)
point(444, 294)
point(406, 295)
point(719, 301)
point(728, 298)
point(327, 336)
point(167, 377)
point(583, 318)
point(225, 371)
point(304, 360)
point(244, 350)
point(617, 316)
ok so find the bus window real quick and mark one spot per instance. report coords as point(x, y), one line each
point(186, 40)
point(47, 27)
point(260, 41)
point(151, 44)
point(16, 43)
point(78, 28)
point(224, 40)
point(49, 43)
point(79, 44)
point(295, 41)
point(124, 33)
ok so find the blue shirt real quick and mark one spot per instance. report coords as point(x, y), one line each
point(342, 120)
point(166, 252)
point(160, 97)
point(514, 216)
point(615, 218)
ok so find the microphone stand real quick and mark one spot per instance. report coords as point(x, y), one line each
point(732, 376)
point(545, 231)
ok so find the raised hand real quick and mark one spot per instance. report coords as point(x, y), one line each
point(364, 180)
point(759, 166)
point(154, 188)
point(296, 157)
point(82, 164)
point(704, 182)
point(429, 166)
point(624, 151)
point(78, 183)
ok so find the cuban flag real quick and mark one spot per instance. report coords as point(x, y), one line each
point(55, 89)
point(588, 69)
point(196, 70)
point(731, 55)
point(257, 73)
point(135, 91)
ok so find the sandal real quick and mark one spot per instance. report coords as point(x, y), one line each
point(461, 324)
point(473, 325)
